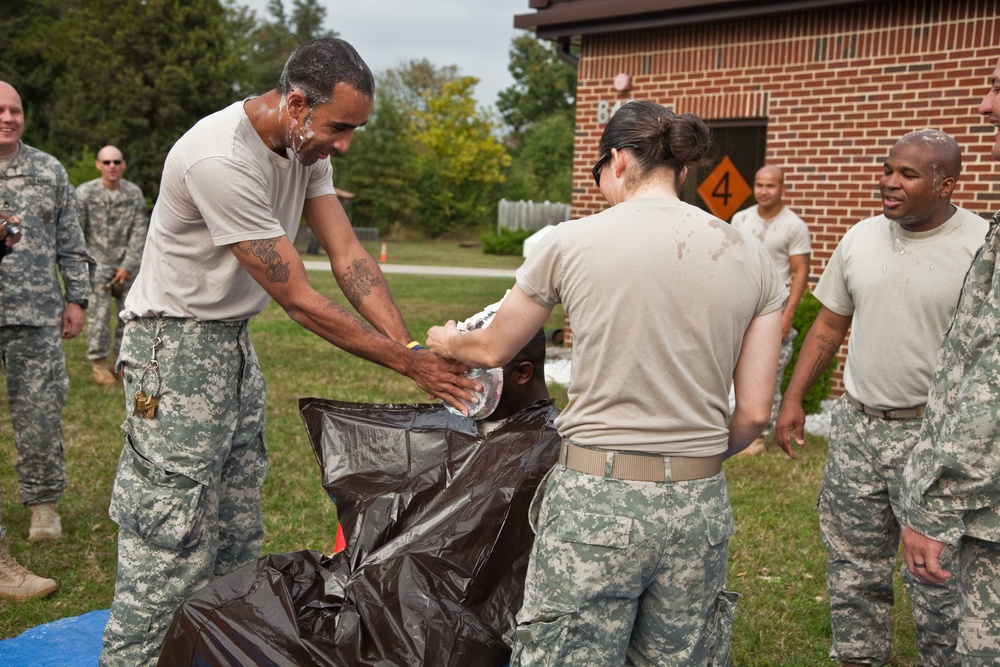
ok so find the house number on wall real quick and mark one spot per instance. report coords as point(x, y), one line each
point(606, 109)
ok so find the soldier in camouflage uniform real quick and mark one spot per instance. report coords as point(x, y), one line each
point(34, 317)
point(186, 496)
point(113, 218)
point(951, 483)
point(632, 526)
point(893, 280)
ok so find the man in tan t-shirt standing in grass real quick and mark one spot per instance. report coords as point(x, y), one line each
point(894, 281)
point(786, 238)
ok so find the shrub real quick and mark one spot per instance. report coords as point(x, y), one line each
point(804, 317)
point(506, 242)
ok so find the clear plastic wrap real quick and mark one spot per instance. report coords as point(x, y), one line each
point(490, 378)
point(492, 381)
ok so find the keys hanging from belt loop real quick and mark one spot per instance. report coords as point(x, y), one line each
point(146, 404)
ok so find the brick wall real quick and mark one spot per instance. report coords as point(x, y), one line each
point(838, 87)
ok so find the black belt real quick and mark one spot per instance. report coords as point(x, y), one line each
point(916, 412)
point(639, 467)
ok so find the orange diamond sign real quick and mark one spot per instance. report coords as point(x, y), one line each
point(724, 190)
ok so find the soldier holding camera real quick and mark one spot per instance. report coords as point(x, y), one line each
point(36, 197)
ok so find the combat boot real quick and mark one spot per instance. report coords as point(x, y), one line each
point(754, 448)
point(45, 523)
point(16, 583)
point(102, 374)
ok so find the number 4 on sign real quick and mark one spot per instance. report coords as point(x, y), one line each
point(724, 190)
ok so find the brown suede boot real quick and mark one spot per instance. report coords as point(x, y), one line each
point(45, 523)
point(754, 448)
point(16, 583)
point(102, 374)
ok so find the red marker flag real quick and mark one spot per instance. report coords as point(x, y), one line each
point(340, 544)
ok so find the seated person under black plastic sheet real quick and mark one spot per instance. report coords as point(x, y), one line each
point(435, 510)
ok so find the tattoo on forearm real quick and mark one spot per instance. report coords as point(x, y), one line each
point(359, 281)
point(277, 272)
point(826, 348)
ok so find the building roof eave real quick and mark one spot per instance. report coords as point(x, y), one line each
point(559, 21)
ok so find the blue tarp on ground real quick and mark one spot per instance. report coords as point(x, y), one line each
point(68, 642)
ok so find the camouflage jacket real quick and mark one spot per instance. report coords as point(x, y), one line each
point(951, 483)
point(114, 228)
point(36, 188)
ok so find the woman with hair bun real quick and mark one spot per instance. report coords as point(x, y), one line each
point(670, 306)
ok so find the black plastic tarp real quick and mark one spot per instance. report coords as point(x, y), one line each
point(436, 520)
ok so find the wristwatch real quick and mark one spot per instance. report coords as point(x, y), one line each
point(83, 303)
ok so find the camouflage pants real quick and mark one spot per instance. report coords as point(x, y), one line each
point(859, 521)
point(187, 493)
point(100, 311)
point(37, 385)
point(784, 357)
point(979, 587)
point(626, 573)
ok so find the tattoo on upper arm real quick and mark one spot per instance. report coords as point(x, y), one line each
point(359, 281)
point(277, 272)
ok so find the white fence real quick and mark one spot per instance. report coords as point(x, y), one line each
point(530, 215)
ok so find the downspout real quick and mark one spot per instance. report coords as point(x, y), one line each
point(564, 54)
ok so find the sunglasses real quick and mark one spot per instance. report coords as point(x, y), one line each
point(107, 162)
point(596, 171)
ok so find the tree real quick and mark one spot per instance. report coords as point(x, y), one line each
point(139, 73)
point(543, 84)
point(33, 48)
point(380, 169)
point(539, 109)
point(413, 83)
point(541, 166)
point(266, 44)
point(428, 159)
point(136, 73)
point(145, 72)
point(461, 160)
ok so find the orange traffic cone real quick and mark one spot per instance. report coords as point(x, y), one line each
point(382, 256)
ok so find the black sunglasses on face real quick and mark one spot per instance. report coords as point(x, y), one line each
point(107, 162)
point(596, 171)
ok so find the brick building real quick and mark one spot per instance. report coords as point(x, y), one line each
point(821, 88)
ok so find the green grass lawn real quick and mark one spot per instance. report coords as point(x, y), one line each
point(776, 560)
point(438, 252)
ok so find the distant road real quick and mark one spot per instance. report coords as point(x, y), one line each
point(317, 265)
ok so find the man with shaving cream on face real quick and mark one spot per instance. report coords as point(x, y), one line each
point(187, 492)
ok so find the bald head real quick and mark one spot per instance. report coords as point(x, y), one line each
point(7, 89)
point(918, 179)
point(941, 149)
point(11, 119)
point(769, 191)
point(111, 164)
point(109, 152)
point(769, 171)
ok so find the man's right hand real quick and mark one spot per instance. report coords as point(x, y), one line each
point(923, 557)
point(443, 379)
point(791, 422)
